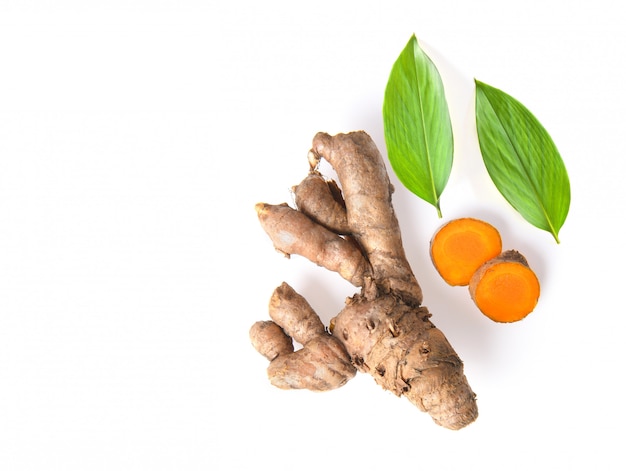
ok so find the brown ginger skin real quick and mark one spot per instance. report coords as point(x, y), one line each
point(320, 365)
point(383, 330)
point(328, 208)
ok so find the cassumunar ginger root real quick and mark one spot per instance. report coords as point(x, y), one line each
point(383, 329)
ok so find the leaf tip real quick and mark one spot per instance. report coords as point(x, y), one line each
point(480, 85)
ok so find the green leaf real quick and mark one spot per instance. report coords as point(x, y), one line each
point(521, 159)
point(418, 131)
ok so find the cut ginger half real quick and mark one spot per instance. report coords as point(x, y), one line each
point(461, 246)
point(505, 289)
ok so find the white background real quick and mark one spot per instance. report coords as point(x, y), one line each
point(135, 139)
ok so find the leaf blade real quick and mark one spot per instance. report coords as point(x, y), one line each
point(418, 129)
point(521, 159)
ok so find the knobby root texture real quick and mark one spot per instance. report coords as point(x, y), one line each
point(351, 228)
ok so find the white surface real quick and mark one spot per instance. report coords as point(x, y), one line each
point(135, 138)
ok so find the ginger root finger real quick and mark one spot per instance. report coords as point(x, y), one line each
point(371, 218)
point(292, 232)
point(461, 246)
point(321, 200)
point(270, 340)
point(295, 315)
point(505, 289)
point(321, 365)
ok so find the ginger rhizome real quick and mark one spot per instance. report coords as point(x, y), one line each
point(505, 289)
point(383, 329)
point(461, 246)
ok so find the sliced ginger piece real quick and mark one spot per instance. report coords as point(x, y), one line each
point(505, 289)
point(461, 246)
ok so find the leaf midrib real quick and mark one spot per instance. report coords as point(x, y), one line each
point(425, 134)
